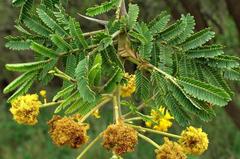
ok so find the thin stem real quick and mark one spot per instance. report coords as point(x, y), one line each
point(116, 109)
point(119, 100)
point(114, 35)
point(93, 52)
point(61, 76)
point(149, 140)
point(87, 34)
point(133, 119)
point(68, 52)
point(105, 101)
point(99, 21)
point(51, 104)
point(89, 146)
point(149, 67)
point(155, 131)
point(78, 49)
point(163, 73)
point(93, 32)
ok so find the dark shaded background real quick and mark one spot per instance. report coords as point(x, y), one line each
point(22, 142)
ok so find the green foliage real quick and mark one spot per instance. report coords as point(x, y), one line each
point(24, 67)
point(178, 113)
point(114, 80)
point(23, 89)
point(104, 7)
point(165, 58)
point(50, 22)
point(76, 33)
point(19, 81)
point(26, 8)
point(232, 74)
point(132, 15)
point(174, 66)
point(34, 25)
point(81, 73)
point(174, 31)
point(104, 43)
point(18, 45)
point(96, 71)
point(188, 31)
point(63, 92)
point(142, 85)
point(144, 36)
point(71, 64)
point(206, 51)
point(224, 61)
point(42, 50)
point(197, 39)
point(18, 3)
point(45, 70)
point(205, 92)
point(69, 100)
point(60, 42)
point(159, 23)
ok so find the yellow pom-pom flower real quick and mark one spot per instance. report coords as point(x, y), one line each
point(170, 150)
point(130, 87)
point(194, 141)
point(43, 93)
point(25, 109)
point(161, 119)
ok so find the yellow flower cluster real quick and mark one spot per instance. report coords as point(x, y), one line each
point(25, 109)
point(170, 150)
point(43, 93)
point(161, 119)
point(67, 131)
point(130, 87)
point(194, 141)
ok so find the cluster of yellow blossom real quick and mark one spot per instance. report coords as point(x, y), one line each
point(43, 93)
point(170, 150)
point(25, 109)
point(67, 131)
point(120, 138)
point(194, 141)
point(161, 119)
point(130, 87)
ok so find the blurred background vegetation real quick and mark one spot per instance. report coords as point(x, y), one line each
point(22, 142)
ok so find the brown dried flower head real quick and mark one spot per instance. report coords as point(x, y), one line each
point(170, 150)
point(120, 138)
point(67, 131)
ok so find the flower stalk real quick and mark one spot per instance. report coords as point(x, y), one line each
point(155, 131)
point(116, 109)
point(51, 104)
point(105, 101)
point(149, 140)
point(89, 146)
